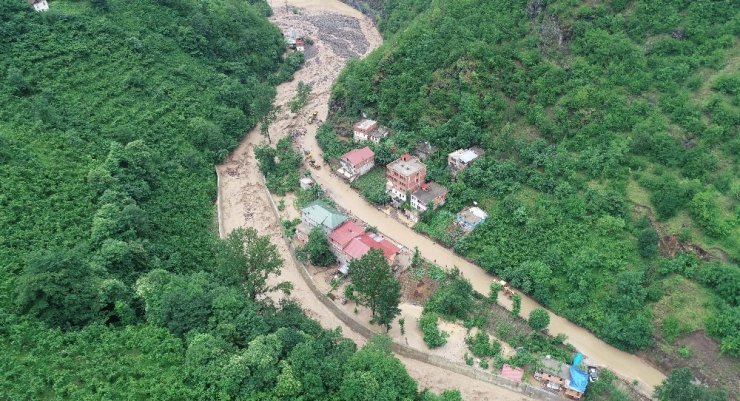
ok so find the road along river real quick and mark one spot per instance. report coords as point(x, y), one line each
point(341, 32)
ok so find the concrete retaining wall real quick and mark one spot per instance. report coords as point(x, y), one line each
point(403, 350)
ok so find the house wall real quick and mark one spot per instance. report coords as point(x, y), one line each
point(359, 136)
point(407, 183)
point(41, 6)
point(364, 168)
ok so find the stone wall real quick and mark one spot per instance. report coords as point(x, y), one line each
point(400, 349)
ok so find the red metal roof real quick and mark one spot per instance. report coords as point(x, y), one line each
point(362, 244)
point(358, 156)
point(509, 372)
point(343, 234)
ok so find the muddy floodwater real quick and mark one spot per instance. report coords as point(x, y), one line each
point(339, 33)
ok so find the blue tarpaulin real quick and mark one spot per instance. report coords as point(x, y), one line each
point(577, 359)
point(578, 379)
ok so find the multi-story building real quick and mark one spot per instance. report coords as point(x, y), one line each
point(405, 175)
point(430, 195)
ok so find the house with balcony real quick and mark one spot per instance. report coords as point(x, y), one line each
point(318, 215)
point(356, 163)
point(405, 176)
point(559, 377)
point(343, 235)
point(360, 245)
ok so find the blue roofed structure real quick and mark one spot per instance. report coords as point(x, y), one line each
point(578, 379)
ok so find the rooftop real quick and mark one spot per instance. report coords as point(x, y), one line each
point(362, 244)
point(512, 373)
point(358, 156)
point(379, 132)
point(343, 234)
point(429, 191)
point(322, 214)
point(467, 155)
point(473, 215)
point(366, 124)
point(406, 165)
point(556, 368)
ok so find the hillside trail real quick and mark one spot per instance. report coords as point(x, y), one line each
point(626, 365)
point(340, 32)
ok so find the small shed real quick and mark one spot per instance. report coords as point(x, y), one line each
point(306, 183)
point(512, 373)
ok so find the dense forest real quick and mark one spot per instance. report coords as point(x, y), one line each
point(113, 283)
point(611, 172)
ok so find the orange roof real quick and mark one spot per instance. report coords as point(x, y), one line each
point(358, 156)
point(343, 234)
point(509, 372)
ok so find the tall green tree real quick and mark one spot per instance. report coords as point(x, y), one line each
point(374, 374)
point(318, 249)
point(60, 288)
point(248, 260)
point(539, 319)
point(375, 285)
point(679, 387)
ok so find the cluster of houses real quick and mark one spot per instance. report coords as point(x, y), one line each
point(349, 240)
point(406, 177)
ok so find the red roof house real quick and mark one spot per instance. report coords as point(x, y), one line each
point(342, 235)
point(357, 162)
point(509, 372)
point(360, 245)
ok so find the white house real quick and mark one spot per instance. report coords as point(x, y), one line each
point(369, 130)
point(39, 5)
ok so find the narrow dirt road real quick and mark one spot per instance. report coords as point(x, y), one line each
point(340, 32)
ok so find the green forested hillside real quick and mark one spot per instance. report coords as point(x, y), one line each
point(602, 122)
point(113, 284)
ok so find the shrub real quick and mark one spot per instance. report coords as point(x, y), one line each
point(433, 336)
point(454, 300)
point(539, 319)
point(647, 243)
point(705, 210)
point(482, 346)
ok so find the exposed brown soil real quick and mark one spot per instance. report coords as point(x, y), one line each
point(710, 367)
point(415, 291)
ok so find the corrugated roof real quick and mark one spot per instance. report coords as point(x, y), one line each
point(512, 373)
point(362, 244)
point(343, 234)
point(357, 157)
point(322, 214)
